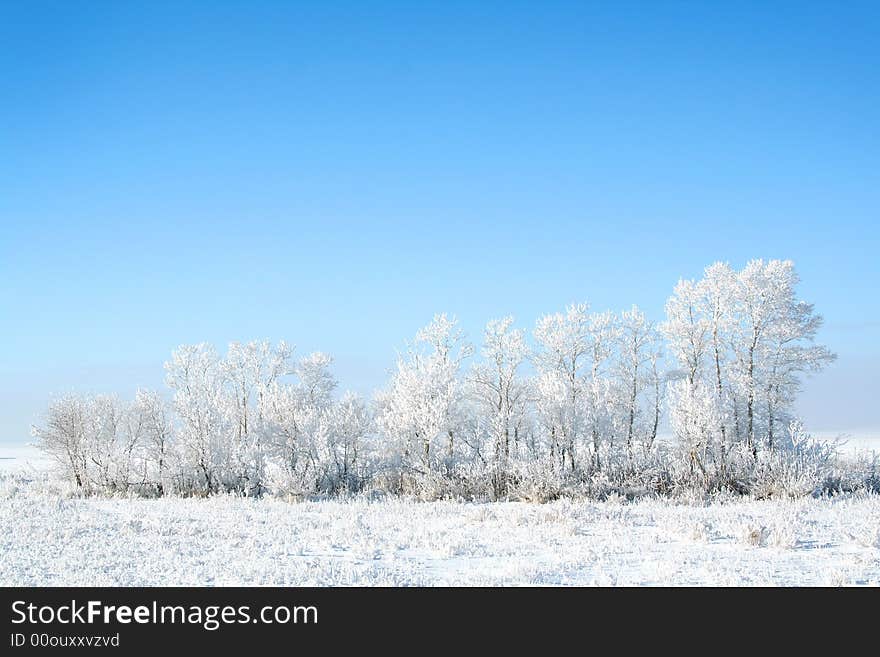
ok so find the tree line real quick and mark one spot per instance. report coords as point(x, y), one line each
point(578, 409)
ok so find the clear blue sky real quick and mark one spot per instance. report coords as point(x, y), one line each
point(335, 173)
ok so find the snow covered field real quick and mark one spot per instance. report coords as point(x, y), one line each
point(47, 539)
point(22, 458)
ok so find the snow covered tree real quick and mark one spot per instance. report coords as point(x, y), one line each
point(158, 427)
point(565, 343)
point(99, 442)
point(656, 380)
point(297, 416)
point(603, 335)
point(109, 451)
point(248, 371)
point(716, 304)
point(772, 342)
point(686, 329)
point(693, 415)
point(316, 381)
point(423, 406)
point(500, 392)
point(747, 336)
point(63, 437)
point(195, 375)
point(346, 444)
point(638, 348)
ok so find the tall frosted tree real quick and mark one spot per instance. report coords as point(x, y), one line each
point(563, 353)
point(773, 344)
point(63, 436)
point(422, 408)
point(348, 425)
point(500, 392)
point(194, 374)
point(249, 370)
point(603, 331)
point(158, 427)
point(638, 349)
point(716, 304)
point(297, 418)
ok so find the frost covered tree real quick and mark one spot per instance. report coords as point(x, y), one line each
point(500, 392)
point(787, 361)
point(693, 416)
point(561, 389)
point(716, 304)
point(686, 329)
point(296, 417)
point(63, 437)
point(772, 343)
point(154, 415)
point(745, 335)
point(316, 381)
point(700, 320)
point(114, 442)
point(638, 352)
point(424, 404)
point(603, 332)
point(346, 444)
point(249, 371)
point(195, 375)
point(98, 441)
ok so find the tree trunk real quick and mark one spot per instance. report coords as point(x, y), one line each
point(723, 446)
point(750, 403)
point(450, 452)
point(161, 486)
point(632, 417)
point(656, 411)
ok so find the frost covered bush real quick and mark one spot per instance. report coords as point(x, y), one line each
point(573, 412)
point(535, 481)
point(103, 444)
point(854, 472)
point(796, 466)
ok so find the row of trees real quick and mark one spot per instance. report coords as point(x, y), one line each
point(579, 406)
point(232, 425)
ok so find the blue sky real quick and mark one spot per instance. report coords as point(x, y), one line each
point(335, 173)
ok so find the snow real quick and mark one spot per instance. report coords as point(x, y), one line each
point(18, 458)
point(49, 539)
point(852, 441)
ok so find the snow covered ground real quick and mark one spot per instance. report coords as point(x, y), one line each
point(47, 539)
point(852, 441)
point(18, 458)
